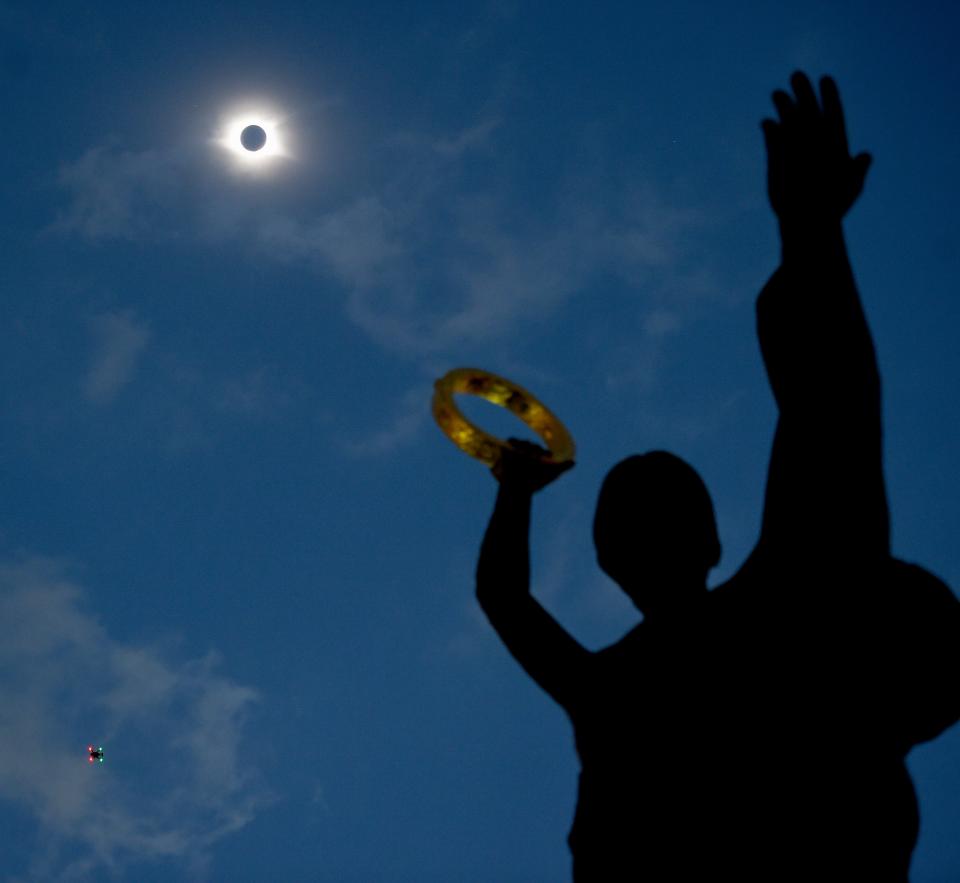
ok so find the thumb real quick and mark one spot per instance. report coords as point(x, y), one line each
point(858, 166)
point(861, 164)
point(772, 140)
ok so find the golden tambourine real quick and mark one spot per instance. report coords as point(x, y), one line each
point(477, 443)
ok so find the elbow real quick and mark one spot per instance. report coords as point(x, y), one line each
point(496, 594)
point(484, 590)
point(481, 592)
point(487, 594)
point(491, 605)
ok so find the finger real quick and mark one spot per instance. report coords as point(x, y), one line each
point(862, 162)
point(861, 165)
point(785, 106)
point(806, 97)
point(527, 449)
point(855, 181)
point(833, 113)
point(525, 445)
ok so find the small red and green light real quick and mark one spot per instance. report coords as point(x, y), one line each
point(95, 753)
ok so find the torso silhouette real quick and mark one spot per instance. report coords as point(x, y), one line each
point(765, 734)
point(645, 754)
point(764, 740)
point(762, 735)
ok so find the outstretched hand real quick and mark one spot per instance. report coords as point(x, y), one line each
point(522, 467)
point(811, 176)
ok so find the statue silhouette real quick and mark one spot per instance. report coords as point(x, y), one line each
point(757, 731)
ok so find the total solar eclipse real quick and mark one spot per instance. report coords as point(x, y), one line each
point(253, 137)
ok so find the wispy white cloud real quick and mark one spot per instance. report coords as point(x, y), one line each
point(352, 242)
point(554, 582)
point(118, 194)
point(492, 275)
point(255, 394)
point(120, 340)
point(605, 610)
point(424, 264)
point(660, 322)
point(456, 144)
point(397, 429)
point(173, 727)
point(467, 139)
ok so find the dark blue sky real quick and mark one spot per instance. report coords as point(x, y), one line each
point(234, 548)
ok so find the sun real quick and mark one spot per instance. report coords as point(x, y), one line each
point(254, 137)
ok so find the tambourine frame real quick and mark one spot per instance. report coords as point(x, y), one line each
point(499, 391)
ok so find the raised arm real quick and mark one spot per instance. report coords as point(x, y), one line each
point(535, 639)
point(825, 488)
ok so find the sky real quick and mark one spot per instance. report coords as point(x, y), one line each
point(236, 551)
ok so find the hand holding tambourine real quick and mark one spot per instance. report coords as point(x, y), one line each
point(483, 446)
point(526, 467)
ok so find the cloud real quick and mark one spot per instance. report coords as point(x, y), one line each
point(353, 242)
point(259, 393)
point(660, 322)
point(172, 783)
point(604, 610)
point(424, 261)
point(120, 341)
point(556, 570)
point(492, 273)
point(453, 146)
point(119, 194)
point(400, 428)
point(489, 277)
point(467, 139)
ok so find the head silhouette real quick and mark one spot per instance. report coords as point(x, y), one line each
point(655, 530)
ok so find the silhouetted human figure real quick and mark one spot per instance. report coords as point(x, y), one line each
point(758, 731)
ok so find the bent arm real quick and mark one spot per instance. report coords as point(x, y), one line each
point(553, 658)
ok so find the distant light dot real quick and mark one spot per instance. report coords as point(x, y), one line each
point(253, 137)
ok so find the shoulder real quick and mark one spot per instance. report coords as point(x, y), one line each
point(743, 592)
point(906, 573)
point(770, 301)
point(917, 597)
point(626, 646)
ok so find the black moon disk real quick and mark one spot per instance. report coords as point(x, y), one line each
point(253, 137)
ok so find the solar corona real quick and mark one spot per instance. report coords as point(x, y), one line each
point(499, 391)
point(255, 138)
